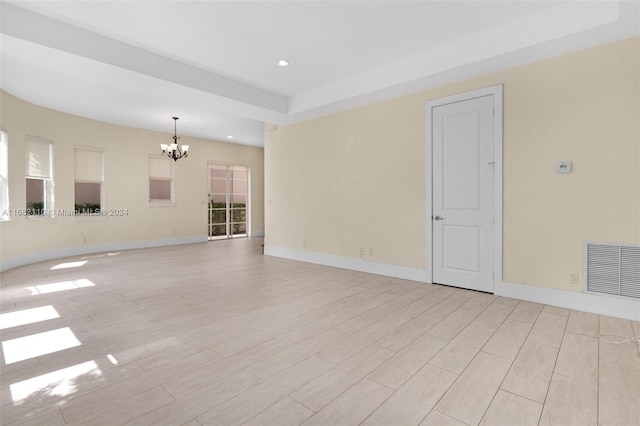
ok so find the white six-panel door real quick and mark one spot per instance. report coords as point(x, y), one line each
point(462, 193)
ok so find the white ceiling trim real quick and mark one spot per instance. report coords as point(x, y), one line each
point(76, 70)
point(29, 26)
point(541, 27)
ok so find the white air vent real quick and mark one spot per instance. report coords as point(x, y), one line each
point(612, 269)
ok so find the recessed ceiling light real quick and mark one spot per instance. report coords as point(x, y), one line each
point(283, 63)
point(229, 137)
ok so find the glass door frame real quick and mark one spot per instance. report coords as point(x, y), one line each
point(230, 210)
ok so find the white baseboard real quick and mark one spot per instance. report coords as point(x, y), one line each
point(257, 234)
point(586, 302)
point(396, 271)
point(41, 256)
point(613, 306)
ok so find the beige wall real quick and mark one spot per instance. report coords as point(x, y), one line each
point(356, 178)
point(126, 153)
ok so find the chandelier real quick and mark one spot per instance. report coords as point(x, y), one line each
point(173, 150)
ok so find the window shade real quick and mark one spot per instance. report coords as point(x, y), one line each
point(88, 166)
point(38, 157)
point(3, 155)
point(4, 185)
point(160, 168)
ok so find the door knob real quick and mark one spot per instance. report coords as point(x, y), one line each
point(438, 218)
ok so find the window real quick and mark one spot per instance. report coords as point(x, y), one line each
point(39, 177)
point(160, 180)
point(228, 196)
point(89, 176)
point(4, 177)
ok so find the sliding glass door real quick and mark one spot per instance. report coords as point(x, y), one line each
point(228, 201)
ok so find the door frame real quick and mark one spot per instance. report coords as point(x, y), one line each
point(229, 166)
point(496, 91)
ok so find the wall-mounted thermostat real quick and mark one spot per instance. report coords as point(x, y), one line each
point(563, 167)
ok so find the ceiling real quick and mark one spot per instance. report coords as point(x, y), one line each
point(214, 63)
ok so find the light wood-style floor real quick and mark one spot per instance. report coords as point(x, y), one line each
point(217, 334)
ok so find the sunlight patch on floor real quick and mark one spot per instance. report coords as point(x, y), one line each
point(69, 265)
point(61, 286)
point(27, 316)
point(95, 256)
point(57, 383)
point(38, 344)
